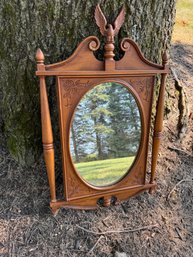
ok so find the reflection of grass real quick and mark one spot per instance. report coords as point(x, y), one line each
point(100, 173)
point(183, 29)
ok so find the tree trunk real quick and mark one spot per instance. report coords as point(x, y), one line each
point(57, 27)
point(98, 141)
point(99, 147)
point(74, 144)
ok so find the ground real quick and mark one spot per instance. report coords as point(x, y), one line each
point(162, 222)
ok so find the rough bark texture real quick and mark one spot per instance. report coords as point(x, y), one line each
point(57, 27)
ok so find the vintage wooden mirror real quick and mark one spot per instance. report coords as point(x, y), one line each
point(105, 117)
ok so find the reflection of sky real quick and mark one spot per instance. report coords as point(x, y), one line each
point(82, 113)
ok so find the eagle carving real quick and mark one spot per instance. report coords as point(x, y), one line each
point(109, 30)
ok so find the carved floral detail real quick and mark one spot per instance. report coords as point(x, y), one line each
point(143, 87)
point(71, 88)
point(76, 187)
point(136, 177)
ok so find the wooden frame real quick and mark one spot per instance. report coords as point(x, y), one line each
point(75, 76)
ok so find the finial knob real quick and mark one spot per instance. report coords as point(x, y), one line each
point(165, 58)
point(39, 56)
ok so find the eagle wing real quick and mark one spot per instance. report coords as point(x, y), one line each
point(100, 19)
point(119, 21)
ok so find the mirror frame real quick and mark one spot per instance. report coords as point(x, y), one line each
point(141, 142)
point(75, 77)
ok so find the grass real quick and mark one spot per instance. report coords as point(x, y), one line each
point(183, 28)
point(104, 172)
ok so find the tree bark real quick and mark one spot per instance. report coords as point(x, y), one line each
point(57, 27)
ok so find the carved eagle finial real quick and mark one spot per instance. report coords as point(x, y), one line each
point(102, 22)
point(119, 21)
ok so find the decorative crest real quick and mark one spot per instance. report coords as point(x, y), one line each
point(106, 29)
point(109, 30)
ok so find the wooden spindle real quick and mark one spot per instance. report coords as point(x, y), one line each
point(106, 201)
point(158, 125)
point(47, 137)
point(109, 49)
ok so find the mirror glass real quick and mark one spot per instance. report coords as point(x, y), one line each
point(105, 134)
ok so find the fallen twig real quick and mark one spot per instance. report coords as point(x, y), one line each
point(179, 150)
point(179, 234)
point(119, 231)
point(92, 249)
point(181, 181)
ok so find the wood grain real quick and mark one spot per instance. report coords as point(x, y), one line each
point(47, 137)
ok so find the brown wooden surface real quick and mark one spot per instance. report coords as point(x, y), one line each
point(158, 122)
point(76, 76)
point(47, 137)
point(70, 93)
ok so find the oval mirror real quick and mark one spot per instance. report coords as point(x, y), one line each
point(105, 134)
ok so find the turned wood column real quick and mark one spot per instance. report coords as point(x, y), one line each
point(47, 137)
point(158, 122)
point(109, 49)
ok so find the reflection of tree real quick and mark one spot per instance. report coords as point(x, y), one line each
point(118, 138)
point(81, 133)
point(124, 121)
point(74, 141)
point(106, 124)
point(135, 125)
point(97, 101)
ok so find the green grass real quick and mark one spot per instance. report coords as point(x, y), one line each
point(104, 172)
point(183, 29)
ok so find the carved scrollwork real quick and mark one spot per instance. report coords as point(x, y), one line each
point(70, 88)
point(94, 44)
point(125, 44)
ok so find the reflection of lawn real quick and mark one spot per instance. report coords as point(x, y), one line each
point(104, 172)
